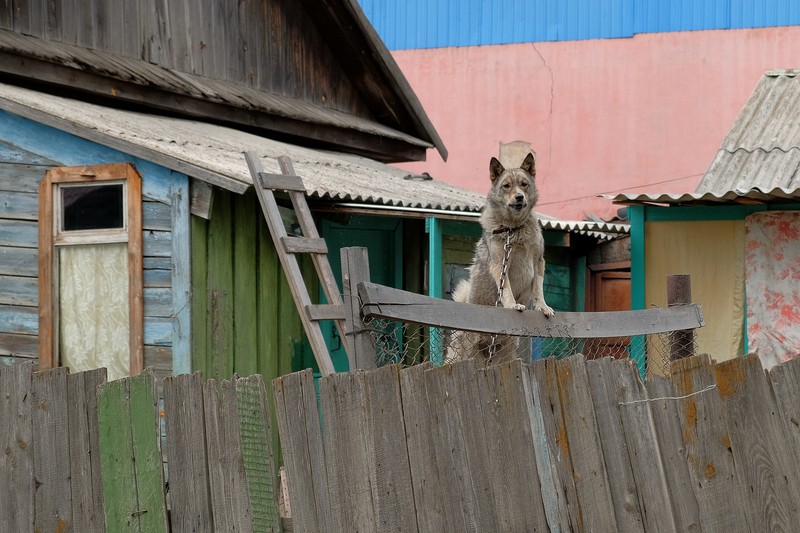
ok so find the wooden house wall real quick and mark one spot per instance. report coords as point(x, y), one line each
point(244, 317)
point(165, 222)
point(270, 45)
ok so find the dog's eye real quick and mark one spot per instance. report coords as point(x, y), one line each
point(523, 184)
point(506, 185)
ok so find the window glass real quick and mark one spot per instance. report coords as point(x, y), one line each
point(88, 207)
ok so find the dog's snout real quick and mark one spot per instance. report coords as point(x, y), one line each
point(519, 197)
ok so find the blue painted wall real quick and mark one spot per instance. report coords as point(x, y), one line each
point(408, 24)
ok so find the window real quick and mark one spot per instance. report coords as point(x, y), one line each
point(90, 269)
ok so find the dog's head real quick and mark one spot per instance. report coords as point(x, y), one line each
point(514, 189)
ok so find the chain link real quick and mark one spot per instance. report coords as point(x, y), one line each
point(501, 286)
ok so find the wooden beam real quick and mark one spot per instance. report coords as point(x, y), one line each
point(384, 302)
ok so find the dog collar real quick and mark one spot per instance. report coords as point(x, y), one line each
point(505, 229)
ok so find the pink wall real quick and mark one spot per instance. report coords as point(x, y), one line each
point(645, 114)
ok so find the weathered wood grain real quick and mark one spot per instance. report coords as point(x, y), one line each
point(385, 302)
point(156, 216)
point(16, 290)
point(644, 452)
point(19, 233)
point(785, 381)
point(667, 423)
point(709, 453)
point(19, 205)
point(50, 425)
point(245, 321)
point(513, 469)
point(18, 319)
point(157, 243)
point(19, 262)
point(344, 412)
point(181, 278)
point(16, 443)
point(303, 453)
point(84, 450)
point(623, 488)
point(157, 302)
point(768, 478)
point(23, 346)
point(186, 453)
point(230, 501)
point(585, 447)
point(390, 471)
point(355, 270)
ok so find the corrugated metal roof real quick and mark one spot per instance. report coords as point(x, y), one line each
point(759, 160)
point(215, 153)
point(409, 24)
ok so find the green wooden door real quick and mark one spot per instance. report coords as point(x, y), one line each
point(383, 238)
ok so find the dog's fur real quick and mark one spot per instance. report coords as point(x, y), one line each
point(508, 210)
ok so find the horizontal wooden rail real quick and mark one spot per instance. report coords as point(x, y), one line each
point(379, 301)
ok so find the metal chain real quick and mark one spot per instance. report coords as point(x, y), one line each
point(501, 286)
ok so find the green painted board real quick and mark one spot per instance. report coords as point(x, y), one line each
point(245, 267)
point(130, 459)
point(199, 291)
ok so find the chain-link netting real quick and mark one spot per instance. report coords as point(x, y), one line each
point(408, 343)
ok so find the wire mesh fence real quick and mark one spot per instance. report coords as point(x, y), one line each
point(408, 343)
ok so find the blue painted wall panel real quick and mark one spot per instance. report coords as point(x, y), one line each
point(409, 24)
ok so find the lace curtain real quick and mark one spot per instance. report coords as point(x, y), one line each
point(93, 318)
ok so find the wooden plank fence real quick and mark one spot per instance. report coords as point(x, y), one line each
point(569, 445)
point(79, 454)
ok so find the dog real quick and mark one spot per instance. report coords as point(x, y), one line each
point(507, 216)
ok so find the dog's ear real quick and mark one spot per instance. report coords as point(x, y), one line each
point(495, 169)
point(529, 165)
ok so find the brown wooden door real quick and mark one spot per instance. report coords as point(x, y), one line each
point(610, 291)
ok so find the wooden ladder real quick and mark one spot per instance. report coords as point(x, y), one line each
point(287, 247)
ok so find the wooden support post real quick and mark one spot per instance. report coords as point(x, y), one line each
point(355, 269)
point(679, 292)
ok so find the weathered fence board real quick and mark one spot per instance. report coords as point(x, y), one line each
point(785, 380)
point(130, 459)
point(190, 508)
point(768, 479)
point(669, 435)
point(16, 469)
point(84, 451)
point(52, 498)
point(708, 445)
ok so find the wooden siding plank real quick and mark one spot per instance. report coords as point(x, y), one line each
point(230, 502)
point(157, 331)
point(303, 454)
point(268, 279)
point(667, 424)
point(19, 262)
point(50, 425)
point(19, 205)
point(157, 302)
point(21, 170)
point(200, 296)
point(19, 291)
point(16, 469)
point(344, 429)
point(644, 452)
point(245, 231)
point(156, 216)
point(181, 309)
point(190, 499)
point(157, 278)
point(768, 478)
point(19, 320)
point(157, 243)
point(20, 233)
point(261, 473)
point(624, 492)
point(84, 451)
point(157, 263)
point(708, 445)
point(219, 327)
point(591, 480)
point(513, 469)
point(19, 345)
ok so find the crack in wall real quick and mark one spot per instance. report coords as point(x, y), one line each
point(552, 98)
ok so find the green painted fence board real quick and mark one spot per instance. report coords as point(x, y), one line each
point(245, 266)
point(199, 295)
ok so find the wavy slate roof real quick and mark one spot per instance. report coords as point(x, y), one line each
point(759, 160)
point(214, 153)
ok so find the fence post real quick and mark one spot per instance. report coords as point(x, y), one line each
point(355, 269)
point(679, 292)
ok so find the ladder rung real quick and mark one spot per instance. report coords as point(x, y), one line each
point(304, 245)
point(326, 312)
point(280, 182)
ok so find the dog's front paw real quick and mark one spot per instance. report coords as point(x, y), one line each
point(546, 309)
point(519, 307)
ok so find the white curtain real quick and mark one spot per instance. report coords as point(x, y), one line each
point(94, 328)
